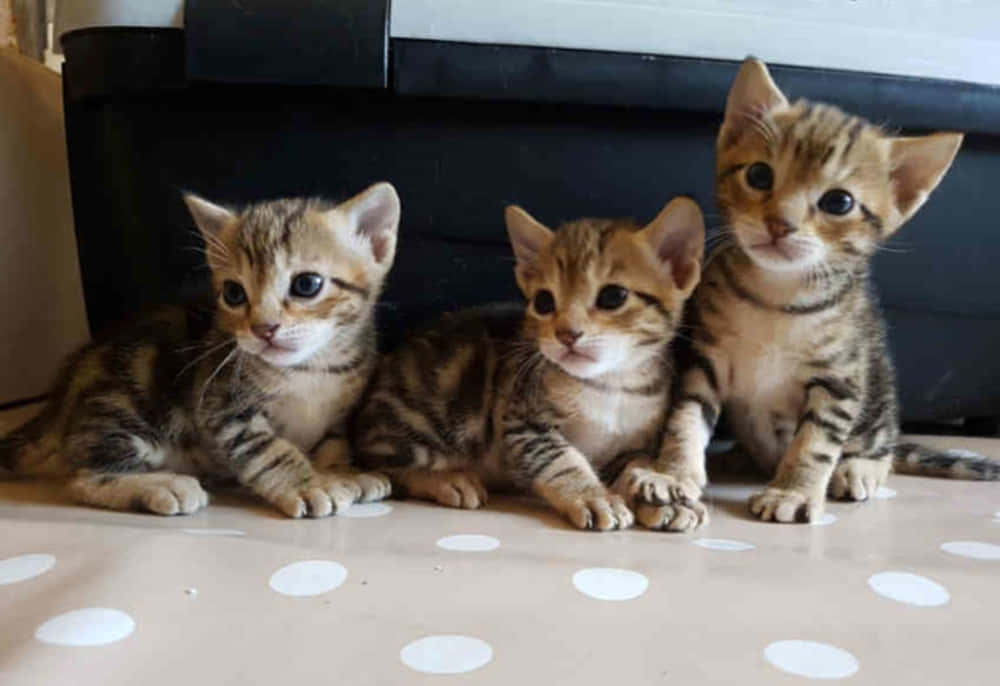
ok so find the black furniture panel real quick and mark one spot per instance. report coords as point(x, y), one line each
point(567, 134)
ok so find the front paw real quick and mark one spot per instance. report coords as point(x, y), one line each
point(310, 500)
point(786, 505)
point(374, 486)
point(678, 516)
point(603, 512)
point(640, 483)
point(858, 478)
point(458, 489)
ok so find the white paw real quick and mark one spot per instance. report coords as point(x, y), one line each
point(603, 512)
point(173, 494)
point(308, 501)
point(858, 478)
point(374, 486)
point(786, 505)
point(678, 516)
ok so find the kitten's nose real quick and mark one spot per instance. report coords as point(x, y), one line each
point(778, 227)
point(568, 336)
point(264, 331)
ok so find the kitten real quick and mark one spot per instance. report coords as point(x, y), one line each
point(542, 397)
point(244, 395)
point(787, 336)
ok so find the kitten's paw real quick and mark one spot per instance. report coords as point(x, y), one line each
point(606, 512)
point(786, 505)
point(640, 483)
point(858, 478)
point(320, 498)
point(374, 486)
point(458, 489)
point(172, 494)
point(678, 517)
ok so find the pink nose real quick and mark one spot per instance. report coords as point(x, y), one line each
point(264, 331)
point(779, 227)
point(568, 336)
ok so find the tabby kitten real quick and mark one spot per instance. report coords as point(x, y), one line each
point(787, 336)
point(542, 397)
point(244, 395)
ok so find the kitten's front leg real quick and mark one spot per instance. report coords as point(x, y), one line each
point(278, 471)
point(543, 460)
point(667, 492)
point(798, 490)
point(333, 455)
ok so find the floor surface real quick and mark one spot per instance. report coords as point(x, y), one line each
point(900, 590)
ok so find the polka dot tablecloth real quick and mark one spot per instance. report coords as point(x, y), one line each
point(890, 591)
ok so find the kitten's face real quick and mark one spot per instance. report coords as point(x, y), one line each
point(292, 277)
point(606, 295)
point(805, 185)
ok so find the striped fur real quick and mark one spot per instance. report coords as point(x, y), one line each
point(133, 420)
point(536, 398)
point(787, 335)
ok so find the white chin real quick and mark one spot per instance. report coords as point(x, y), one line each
point(787, 260)
point(282, 357)
point(580, 366)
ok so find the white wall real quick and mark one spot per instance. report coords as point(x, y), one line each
point(41, 301)
point(948, 39)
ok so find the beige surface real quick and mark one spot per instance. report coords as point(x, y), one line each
point(41, 304)
point(205, 613)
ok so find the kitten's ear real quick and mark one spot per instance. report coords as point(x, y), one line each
point(374, 214)
point(528, 237)
point(918, 165)
point(677, 238)
point(752, 94)
point(209, 217)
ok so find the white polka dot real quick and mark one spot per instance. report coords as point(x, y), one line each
point(446, 654)
point(826, 520)
point(214, 532)
point(469, 543)
point(974, 549)
point(883, 493)
point(909, 588)
point(366, 510)
point(91, 626)
point(810, 659)
point(309, 577)
point(610, 584)
point(723, 544)
point(24, 567)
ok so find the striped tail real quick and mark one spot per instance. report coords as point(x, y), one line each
point(911, 458)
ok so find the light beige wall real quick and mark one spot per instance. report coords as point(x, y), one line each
point(41, 302)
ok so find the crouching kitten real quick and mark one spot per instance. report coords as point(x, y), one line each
point(542, 397)
point(245, 393)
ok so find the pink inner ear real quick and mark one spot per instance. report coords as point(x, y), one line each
point(681, 270)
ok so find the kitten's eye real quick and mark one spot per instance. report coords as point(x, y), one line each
point(611, 297)
point(306, 284)
point(760, 176)
point(233, 293)
point(544, 302)
point(837, 201)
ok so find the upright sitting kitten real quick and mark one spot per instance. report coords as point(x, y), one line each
point(134, 419)
point(787, 335)
point(542, 398)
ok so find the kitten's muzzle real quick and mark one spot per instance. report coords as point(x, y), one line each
point(778, 227)
point(265, 332)
point(568, 337)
